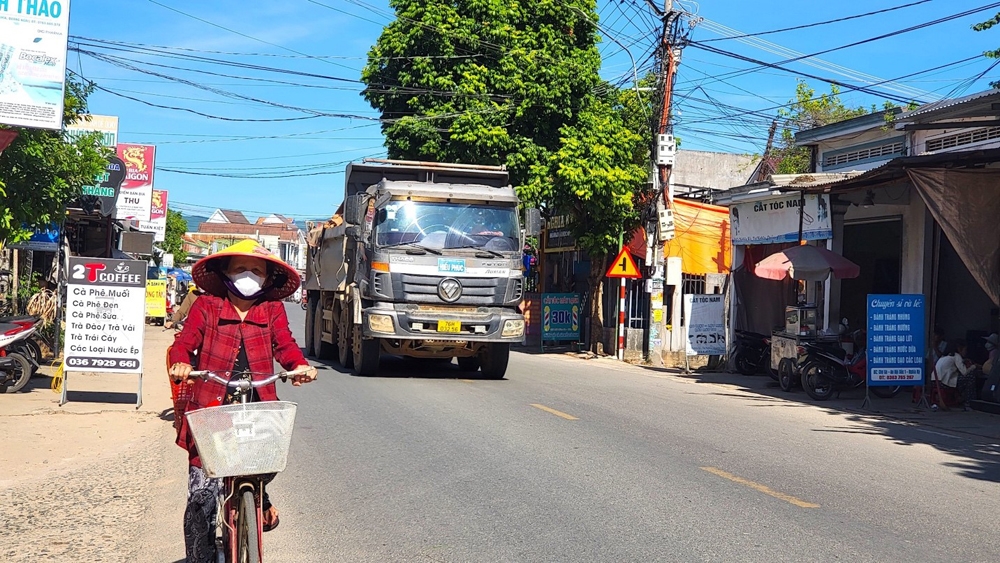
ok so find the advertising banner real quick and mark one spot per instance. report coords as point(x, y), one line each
point(136, 195)
point(706, 328)
point(105, 315)
point(558, 237)
point(33, 36)
point(156, 298)
point(157, 223)
point(42, 240)
point(776, 220)
point(106, 125)
point(895, 339)
point(560, 316)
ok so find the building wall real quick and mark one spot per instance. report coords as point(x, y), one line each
point(920, 138)
point(704, 169)
point(857, 142)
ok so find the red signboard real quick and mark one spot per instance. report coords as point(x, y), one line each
point(158, 209)
point(136, 194)
point(138, 164)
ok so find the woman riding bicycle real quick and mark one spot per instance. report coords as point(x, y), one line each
point(239, 325)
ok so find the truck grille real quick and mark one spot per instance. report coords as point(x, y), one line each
point(424, 289)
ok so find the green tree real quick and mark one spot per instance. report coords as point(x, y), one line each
point(808, 111)
point(482, 81)
point(40, 172)
point(995, 53)
point(173, 241)
point(599, 175)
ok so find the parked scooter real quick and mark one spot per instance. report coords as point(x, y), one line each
point(826, 367)
point(752, 353)
point(27, 346)
point(15, 368)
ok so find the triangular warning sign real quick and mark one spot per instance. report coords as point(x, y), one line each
point(623, 266)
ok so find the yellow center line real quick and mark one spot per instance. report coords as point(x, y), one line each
point(467, 380)
point(761, 488)
point(549, 410)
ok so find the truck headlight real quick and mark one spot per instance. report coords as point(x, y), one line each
point(512, 328)
point(380, 323)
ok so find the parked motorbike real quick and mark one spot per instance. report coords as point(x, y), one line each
point(27, 346)
point(826, 367)
point(753, 353)
point(15, 367)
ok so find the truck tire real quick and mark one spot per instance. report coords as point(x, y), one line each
point(366, 353)
point(322, 350)
point(494, 360)
point(309, 329)
point(468, 363)
point(345, 354)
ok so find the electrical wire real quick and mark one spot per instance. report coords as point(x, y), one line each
point(816, 24)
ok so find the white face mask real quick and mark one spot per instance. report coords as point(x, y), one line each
point(247, 283)
point(941, 346)
point(990, 346)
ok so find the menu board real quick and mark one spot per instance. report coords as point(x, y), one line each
point(105, 315)
point(895, 339)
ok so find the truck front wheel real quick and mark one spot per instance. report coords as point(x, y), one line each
point(494, 360)
point(366, 354)
point(468, 363)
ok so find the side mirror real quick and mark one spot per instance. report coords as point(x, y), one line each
point(355, 208)
point(354, 232)
point(532, 222)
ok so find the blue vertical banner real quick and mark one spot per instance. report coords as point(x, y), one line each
point(560, 316)
point(896, 339)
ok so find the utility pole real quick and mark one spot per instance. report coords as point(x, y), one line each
point(765, 170)
point(670, 54)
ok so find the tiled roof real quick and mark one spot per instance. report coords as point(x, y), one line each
point(235, 216)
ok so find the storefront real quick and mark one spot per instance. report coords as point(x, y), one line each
point(764, 222)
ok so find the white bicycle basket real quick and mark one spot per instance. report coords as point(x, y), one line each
point(243, 439)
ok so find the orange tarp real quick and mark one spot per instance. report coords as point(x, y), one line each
point(701, 239)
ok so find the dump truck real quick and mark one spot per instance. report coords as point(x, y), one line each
point(421, 260)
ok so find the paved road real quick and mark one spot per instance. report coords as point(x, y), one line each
point(572, 460)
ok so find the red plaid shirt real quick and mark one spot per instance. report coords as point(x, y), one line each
point(214, 330)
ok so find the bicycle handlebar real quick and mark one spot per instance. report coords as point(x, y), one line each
point(243, 384)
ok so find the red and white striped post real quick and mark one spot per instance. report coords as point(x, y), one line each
point(621, 320)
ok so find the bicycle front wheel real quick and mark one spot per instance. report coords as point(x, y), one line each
point(247, 530)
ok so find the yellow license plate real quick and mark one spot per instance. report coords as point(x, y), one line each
point(450, 326)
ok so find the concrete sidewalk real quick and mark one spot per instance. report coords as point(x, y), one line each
point(99, 421)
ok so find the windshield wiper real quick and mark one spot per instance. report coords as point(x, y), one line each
point(414, 245)
point(479, 248)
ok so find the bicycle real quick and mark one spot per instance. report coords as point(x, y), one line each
point(242, 443)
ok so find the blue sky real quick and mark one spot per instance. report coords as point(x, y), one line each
point(304, 36)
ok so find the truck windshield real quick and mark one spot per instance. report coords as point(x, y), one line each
point(447, 225)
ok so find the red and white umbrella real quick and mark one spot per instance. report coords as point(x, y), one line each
point(806, 262)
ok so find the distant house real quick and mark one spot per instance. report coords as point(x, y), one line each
point(277, 233)
point(228, 216)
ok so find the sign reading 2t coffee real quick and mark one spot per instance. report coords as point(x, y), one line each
point(136, 195)
point(105, 315)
